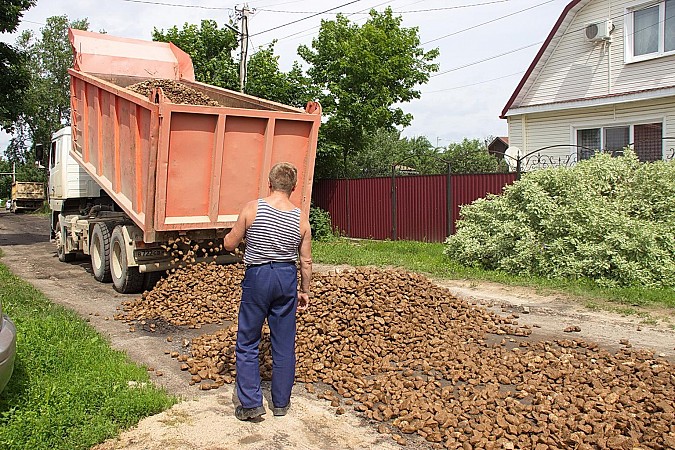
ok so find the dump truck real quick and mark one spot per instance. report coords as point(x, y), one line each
point(137, 181)
point(27, 196)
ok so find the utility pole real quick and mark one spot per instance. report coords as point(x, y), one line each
point(244, 13)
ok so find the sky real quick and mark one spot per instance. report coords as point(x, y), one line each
point(485, 45)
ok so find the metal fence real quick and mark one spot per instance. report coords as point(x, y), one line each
point(407, 208)
point(426, 207)
point(567, 155)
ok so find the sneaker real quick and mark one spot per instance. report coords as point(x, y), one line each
point(242, 413)
point(281, 411)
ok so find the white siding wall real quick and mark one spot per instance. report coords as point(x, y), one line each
point(558, 127)
point(580, 69)
point(515, 131)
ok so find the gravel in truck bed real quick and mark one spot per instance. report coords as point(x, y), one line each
point(423, 364)
point(175, 91)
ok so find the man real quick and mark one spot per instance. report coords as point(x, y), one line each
point(276, 232)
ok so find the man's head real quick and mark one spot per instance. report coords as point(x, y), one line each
point(283, 177)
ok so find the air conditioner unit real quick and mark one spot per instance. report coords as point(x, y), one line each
point(599, 31)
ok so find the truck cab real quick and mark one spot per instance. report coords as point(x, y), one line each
point(70, 186)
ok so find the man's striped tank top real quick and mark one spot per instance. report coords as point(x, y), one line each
point(274, 235)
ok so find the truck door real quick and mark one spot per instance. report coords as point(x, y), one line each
point(55, 190)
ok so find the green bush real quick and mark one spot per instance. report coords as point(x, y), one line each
point(606, 219)
point(319, 221)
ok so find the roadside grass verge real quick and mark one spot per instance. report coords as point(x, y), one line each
point(69, 389)
point(428, 258)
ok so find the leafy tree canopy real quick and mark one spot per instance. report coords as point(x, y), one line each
point(471, 156)
point(266, 80)
point(211, 51)
point(11, 12)
point(362, 72)
point(385, 148)
point(209, 47)
point(46, 104)
point(13, 74)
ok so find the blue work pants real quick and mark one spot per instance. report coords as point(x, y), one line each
point(269, 291)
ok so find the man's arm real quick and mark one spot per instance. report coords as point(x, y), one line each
point(238, 231)
point(305, 251)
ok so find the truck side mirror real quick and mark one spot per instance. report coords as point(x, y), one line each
point(39, 152)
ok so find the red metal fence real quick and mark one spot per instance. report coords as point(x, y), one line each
point(366, 208)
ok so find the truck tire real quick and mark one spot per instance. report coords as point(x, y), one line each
point(61, 246)
point(151, 279)
point(99, 249)
point(126, 280)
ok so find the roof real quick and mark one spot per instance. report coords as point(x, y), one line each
point(544, 52)
point(504, 139)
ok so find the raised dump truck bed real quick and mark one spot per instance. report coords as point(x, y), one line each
point(142, 183)
point(178, 167)
point(27, 195)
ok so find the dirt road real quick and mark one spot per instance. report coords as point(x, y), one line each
point(205, 420)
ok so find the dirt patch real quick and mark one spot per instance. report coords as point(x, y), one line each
point(551, 313)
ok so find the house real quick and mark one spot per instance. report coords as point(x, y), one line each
point(604, 78)
point(498, 146)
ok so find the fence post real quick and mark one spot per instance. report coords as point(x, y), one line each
point(393, 203)
point(349, 216)
point(448, 201)
point(518, 169)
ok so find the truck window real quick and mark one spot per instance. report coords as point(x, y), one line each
point(52, 156)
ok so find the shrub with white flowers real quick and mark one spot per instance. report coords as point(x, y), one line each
point(608, 219)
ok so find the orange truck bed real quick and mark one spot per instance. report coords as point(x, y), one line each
point(176, 167)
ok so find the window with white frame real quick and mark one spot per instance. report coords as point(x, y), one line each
point(645, 137)
point(650, 30)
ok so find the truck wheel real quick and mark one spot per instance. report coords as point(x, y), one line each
point(126, 280)
point(151, 279)
point(99, 249)
point(61, 247)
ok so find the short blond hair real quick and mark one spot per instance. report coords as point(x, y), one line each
point(283, 177)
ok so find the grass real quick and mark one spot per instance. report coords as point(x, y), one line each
point(428, 258)
point(69, 389)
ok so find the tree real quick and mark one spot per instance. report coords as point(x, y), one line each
point(13, 74)
point(471, 156)
point(46, 104)
point(210, 49)
point(362, 72)
point(266, 80)
point(386, 148)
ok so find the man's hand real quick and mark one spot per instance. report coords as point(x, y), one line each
point(303, 301)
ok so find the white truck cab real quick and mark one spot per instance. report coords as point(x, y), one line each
point(67, 180)
point(83, 216)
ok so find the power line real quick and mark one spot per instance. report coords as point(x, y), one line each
point(474, 84)
point(178, 5)
point(471, 5)
point(490, 57)
point(315, 27)
point(487, 22)
point(484, 60)
point(305, 18)
point(279, 4)
point(540, 42)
